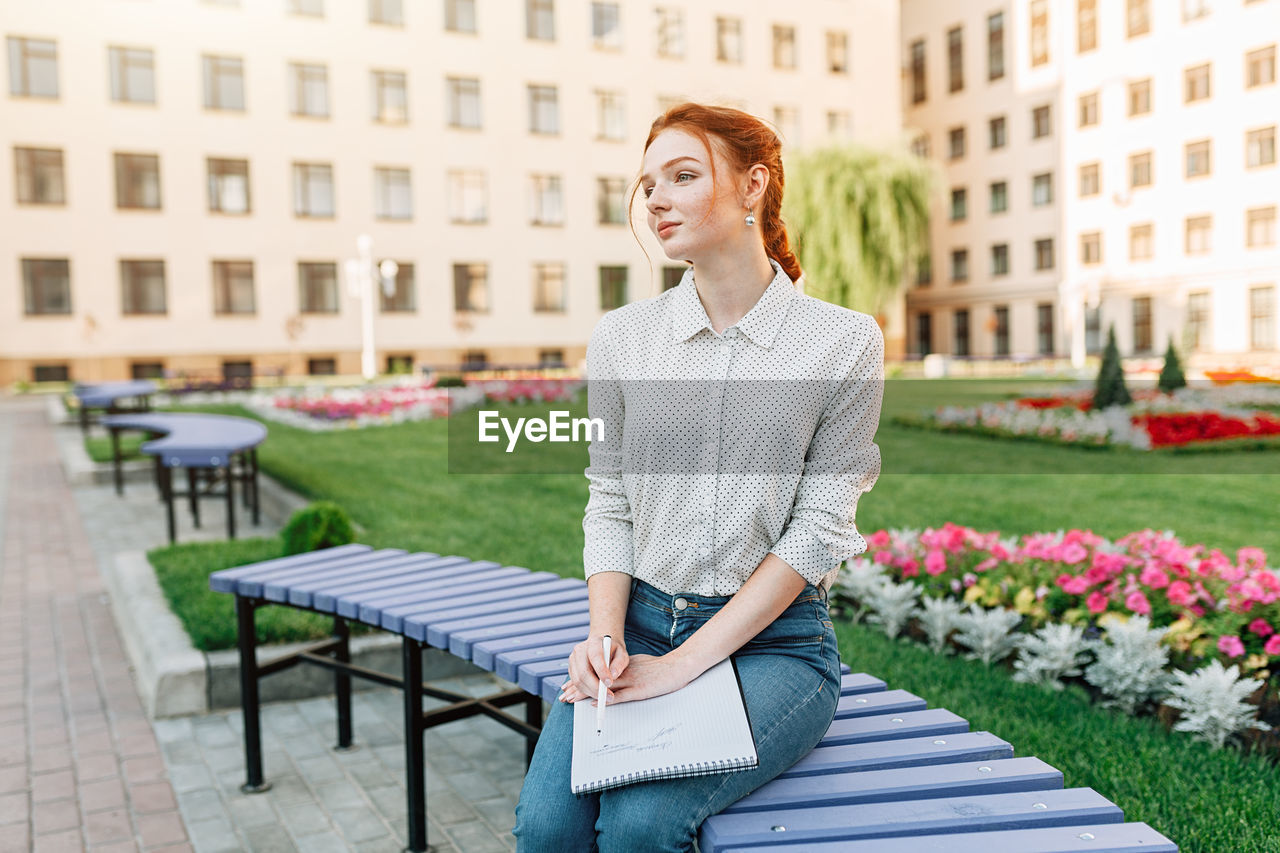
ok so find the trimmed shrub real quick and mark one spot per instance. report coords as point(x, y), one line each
point(1171, 374)
point(1110, 389)
point(322, 524)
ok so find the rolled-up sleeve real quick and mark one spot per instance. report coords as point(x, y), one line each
point(843, 462)
point(606, 523)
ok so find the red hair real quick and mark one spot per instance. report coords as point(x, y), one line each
point(744, 141)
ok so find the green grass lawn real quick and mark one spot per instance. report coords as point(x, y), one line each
point(396, 483)
point(99, 446)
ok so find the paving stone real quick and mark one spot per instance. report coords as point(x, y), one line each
point(323, 842)
point(359, 824)
point(249, 811)
point(214, 836)
point(319, 769)
point(475, 837)
point(202, 804)
point(190, 777)
point(270, 839)
point(304, 818)
point(339, 795)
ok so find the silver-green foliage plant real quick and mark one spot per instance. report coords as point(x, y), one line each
point(938, 618)
point(1130, 665)
point(858, 580)
point(1212, 701)
point(892, 605)
point(1055, 651)
point(988, 632)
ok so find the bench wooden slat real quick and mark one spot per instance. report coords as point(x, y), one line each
point(850, 683)
point(855, 683)
point(463, 595)
point(225, 580)
point(1018, 810)
point(907, 752)
point(356, 591)
point(878, 702)
point(435, 630)
point(464, 643)
point(507, 664)
point(960, 779)
point(450, 582)
point(412, 565)
point(484, 652)
point(908, 724)
point(296, 589)
point(570, 605)
point(531, 676)
point(1134, 837)
point(253, 586)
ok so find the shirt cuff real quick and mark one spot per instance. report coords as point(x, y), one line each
point(805, 553)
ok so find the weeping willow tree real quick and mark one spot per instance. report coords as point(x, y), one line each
point(859, 219)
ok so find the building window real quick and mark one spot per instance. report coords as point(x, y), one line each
point(606, 28)
point(471, 288)
point(1002, 330)
point(548, 287)
point(460, 16)
point(955, 59)
point(918, 92)
point(312, 189)
point(1260, 227)
point(1138, 18)
point(546, 200)
point(1089, 109)
point(999, 196)
point(955, 143)
point(1260, 67)
point(390, 12)
point(1199, 235)
point(540, 20)
point(611, 116)
point(551, 358)
point(1140, 170)
point(839, 124)
point(463, 95)
point(729, 40)
point(1091, 248)
point(322, 367)
point(611, 201)
point(1044, 254)
point(1093, 329)
point(137, 181)
point(961, 321)
point(999, 259)
point(837, 52)
point(390, 97)
point(1042, 189)
point(1044, 328)
point(403, 298)
point(1141, 308)
point(228, 186)
point(1039, 32)
point(392, 194)
point(1142, 244)
point(671, 32)
point(1260, 147)
point(544, 109)
point(613, 287)
point(995, 46)
point(223, 82)
point(399, 364)
point(959, 204)
point(50, 373)
point(233, 287)
point(1041, 126)
point(39, 176)
point(475, 360)
point(46, 286)
point(1262, 317)
point(468, 197)
point(996, 132)
point(33, 67)
point(1090, 179)
point(317, 288)
point(146, 370)
point(133, 74)
point(672, 276)
point(920, 146)
point(1139, 97)
point(1198, 159)
point(924, 270)
point(308, 90)
point(787, 121)
point(959, 265)
point(924, 333)
point(1086, 26)
point(142, 287)
point(1196, 86)
point(1193, 9)
point(784, 46)
point(1197, 334)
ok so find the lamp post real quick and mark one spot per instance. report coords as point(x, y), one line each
point(360, 275)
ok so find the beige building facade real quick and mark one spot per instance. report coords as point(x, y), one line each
point(189, 178)
point(1118, 170)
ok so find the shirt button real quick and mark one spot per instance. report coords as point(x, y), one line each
point(681, 604)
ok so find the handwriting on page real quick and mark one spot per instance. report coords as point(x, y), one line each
point(660, 740)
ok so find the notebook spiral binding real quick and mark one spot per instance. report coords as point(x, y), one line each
point(675, 771)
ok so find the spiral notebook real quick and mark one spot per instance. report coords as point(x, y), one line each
point(699, 729)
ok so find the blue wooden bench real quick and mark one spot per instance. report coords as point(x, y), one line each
point(113, 398)
point(891, 774)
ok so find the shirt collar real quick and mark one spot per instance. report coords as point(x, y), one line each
point(761, 323)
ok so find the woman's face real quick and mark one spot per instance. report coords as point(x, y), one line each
point(678, 190)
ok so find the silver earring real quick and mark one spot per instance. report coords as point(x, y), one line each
point(751, 218)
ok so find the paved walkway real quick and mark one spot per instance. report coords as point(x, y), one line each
point(81, 766)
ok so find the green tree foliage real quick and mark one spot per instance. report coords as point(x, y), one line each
point(1171, 374)
point(1110, 390)
point(860, 220)
point(322, 524)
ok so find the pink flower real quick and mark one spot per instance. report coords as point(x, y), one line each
point(1251, 559)
point(882, 557)
point(1072, 553)
point(910, 568)
point(1261, 628)
point(1179, 593)
point(970, 579)
point(1230, 646)
point(1077, 585)
point(879, 539)
point(1137, 602)
point(1096, 602)
point(956, 586)
point(1154, 577)
point(1273, 645)
point(989, 563)
point(1196, 609)
point(935, 563)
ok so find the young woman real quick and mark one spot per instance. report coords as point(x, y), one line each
point(714, 526)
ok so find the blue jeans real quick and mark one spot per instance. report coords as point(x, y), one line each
point(790, 675)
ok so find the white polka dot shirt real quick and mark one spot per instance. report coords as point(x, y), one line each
point(719, 449)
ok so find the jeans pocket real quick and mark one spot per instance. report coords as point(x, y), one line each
point(799, 626)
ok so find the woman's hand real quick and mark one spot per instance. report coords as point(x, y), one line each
point(586, 666)
point(648, 675)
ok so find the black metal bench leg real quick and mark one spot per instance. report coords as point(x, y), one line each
point(231, 503)
point(253, 474)
point(115, 460)
point(193, 496)
point(166, 492)
point(342, 683)
point(415, 762)
point(532, 716)
point(247, 640)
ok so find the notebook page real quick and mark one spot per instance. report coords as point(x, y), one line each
point(701, 728)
